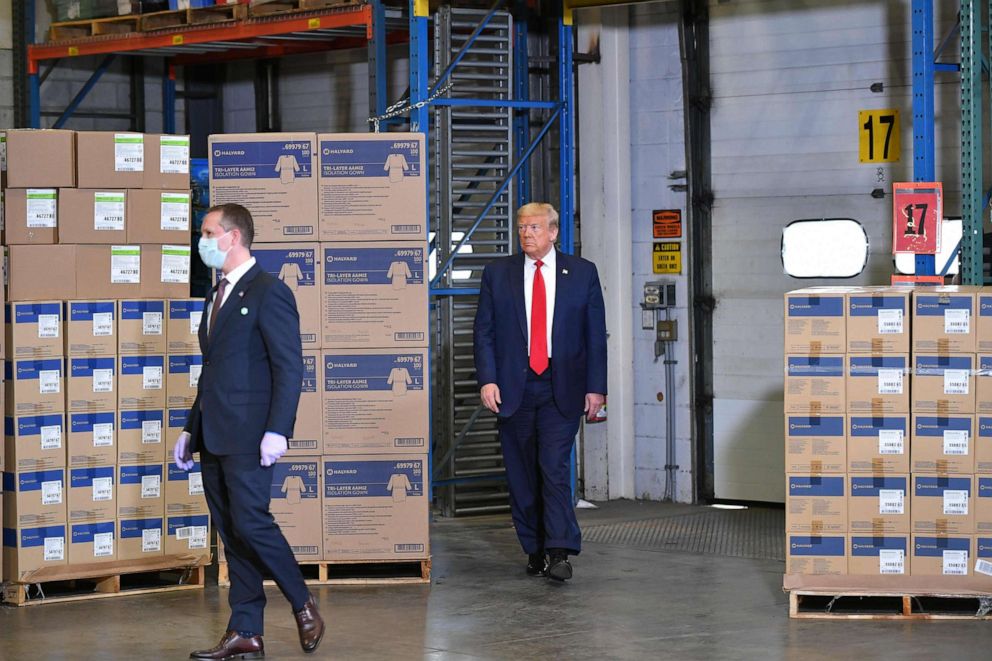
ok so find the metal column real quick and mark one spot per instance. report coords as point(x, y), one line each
point(972, 172)
point(923, 102)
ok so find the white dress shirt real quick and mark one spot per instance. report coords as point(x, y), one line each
point(232, 279)
point(550, 274)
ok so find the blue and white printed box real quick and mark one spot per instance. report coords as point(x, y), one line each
point(92, 439)
point(944, 319)
point(295, 502)
point(34, 442)
point(816, 555)
point(34, 330)
point(878, 320)
point(815, 321)
point(92, 542)
point(34, 386)
point(815, 385)
point(90, 328)
point(298, 266)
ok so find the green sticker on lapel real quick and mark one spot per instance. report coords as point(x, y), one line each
point(244, 311)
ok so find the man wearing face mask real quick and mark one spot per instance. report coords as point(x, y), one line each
point(244, 412)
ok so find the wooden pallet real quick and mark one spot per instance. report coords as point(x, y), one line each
point(288, 6)
point(125, 583)
point(93, 27)
point(369, 572)
point(165, 20)
point(865, 605)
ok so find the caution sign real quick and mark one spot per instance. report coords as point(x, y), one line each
point(667, 223)
point(667, 257)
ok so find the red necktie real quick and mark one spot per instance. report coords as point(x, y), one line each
point(538, 323)
point(218, 300)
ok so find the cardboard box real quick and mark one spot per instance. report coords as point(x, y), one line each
point(816, 555)
point(273, 176)
point(374, 295)
point(175, 422)
point(983, 444)
point(943, 320)
point(878, 444)
point(983, 322)
point(90, 328)
point(877, 384)
point(308, 435)
point(815, 322)
point(27, 549)
point(373, 186)
point(943, 444)
point(141, 329)
point(91, 494)
point(34, 386)
point(943, 384)
point(166, 161)
point(188, 536)
point(296, 504)
point(941, 555)
point(165, 270)
point(140, 538)
point(31, 216)
point(34, 442)
point(92, 542)
point(110, 159)
point(140, 437)
point(878, 504)
point(816, 504)
point(983, 504)
point(34, 498)
point(93, 216)
point(107, 271)
point(815, 385)
point(943, 505)
point(41, 158)
point(91, 384)
point(297, 265)
point(33, 330)
point(158, 216)
point(184, 491)
point(181, 380)
point(881, 555)
point(375, 401)
point(981, 553)
point(140, 491)
point(141, 383)
point(376, 508)
point(41, 273)
point(92, 439)
point(878, 320)
point(183, 325)
point(983, 383)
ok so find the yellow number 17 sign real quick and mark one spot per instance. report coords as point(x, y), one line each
point(879, 136)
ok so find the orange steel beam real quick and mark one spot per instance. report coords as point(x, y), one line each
point(279, 50)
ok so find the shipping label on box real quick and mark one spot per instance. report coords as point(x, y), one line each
point(110, 159)
point(140, 437)
point(34, 387)
point(140, 491)
point(34, 442)
point(941, 555)
point(92, 542)
point(816, 555)
point(983, 504)
point(816, 504)
point(981, 552)
point(308, 435)
point(34, 498)
point(878, 444)
point(375, 509)
point(26, 550)
point(141, 384)
point(372, 186)
point(374, 295)
point(31, 216)
point(878, 504)
point(943, 320)
point(157, 216)
point(182, 380)
point(815, 444)
point(107, 271)
point(983, 329)
point(166, 161)
point(91, 494)
point(815, 385)
point(943, 384)
point(91, 216)
point(296, 504)
point(815, 322)
point(90, 328)
point(140, 538)
point(983, 384)
point(183, 325)
point(91, 384)
point(92, 439)
point(165, 271)
point(188, 536)
point(184, 491)
point(34, 330)
point(375, 401)
point(879, 555)
point(943, 444)
point(878, 384)
point(878, 321)
point(41, 158)
point(298, 266)
point(141, 329)
point(943, 505)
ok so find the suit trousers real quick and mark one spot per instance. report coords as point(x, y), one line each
point(537, 443)
point(238, 490)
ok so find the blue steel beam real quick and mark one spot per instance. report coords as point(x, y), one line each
point(521, 88)
point(566, 140)
point(377, 49)
point(923, 104)
point(81, 95)
point(495, 103)
point(34, 83)
point(168, 98)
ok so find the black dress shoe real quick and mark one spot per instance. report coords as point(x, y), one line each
point(537, 564)
point(310, 625)
point(559, 568)
point(233, 646)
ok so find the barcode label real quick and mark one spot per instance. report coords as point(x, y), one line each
point(408, 337)
point(890, 441)
point(957, 322)
point(412, 442)
point(416, 229)
point(891, 561)
point(890, 501)
point(408, 548)
point(956, 502)
point(956, 442)
point(983, 567)
point(889, 382)
point(304, 550)
point(955, 563)
point(956, 382)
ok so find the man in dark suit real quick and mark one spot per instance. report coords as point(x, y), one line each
point(244, 412)
point(540, 357)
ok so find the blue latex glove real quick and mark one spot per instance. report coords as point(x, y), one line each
point(181, 453)
point(273, 446)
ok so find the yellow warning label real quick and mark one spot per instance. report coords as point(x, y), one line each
point(313, 23)
point(73, 51)
point(667, 257)
point(177, 40)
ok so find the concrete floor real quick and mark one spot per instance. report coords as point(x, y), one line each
point(623, 604)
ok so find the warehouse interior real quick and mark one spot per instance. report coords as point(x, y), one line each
point(681, 141)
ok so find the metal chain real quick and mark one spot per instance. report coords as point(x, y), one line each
point(403, 106)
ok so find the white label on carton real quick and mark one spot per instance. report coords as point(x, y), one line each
point(957, 322)
point(889, 382)
point(194, 375)
point(51, 492)
point(129, 152)
point(956, 441)
point(51, 437)
point(890, 441)
point(983, 567)
point(108, 211)
point(175, 212)
point(48, 325)
point(103, 324)
point(890, 322)
point(956, 382)
point(196, 484)
point(956, 502)
point(151, 323)
point(103, 544)
point(194, 321)
point(174, 154)
point(103, 380)
point(183, 532)
point(151, 377)
point(151, 486)
point(955, 563)
point(54, 548)
point(151, 540)
point(891, 561)
point(198, 537)
point(103, 488)
point(48, 382)
point(175, 264)
point(42, 207)
point(151, 431)
point(103, 434)
point(890, 501)
point(125, 265)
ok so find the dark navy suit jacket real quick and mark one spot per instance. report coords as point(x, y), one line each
point(578, 333)
point(252, 368)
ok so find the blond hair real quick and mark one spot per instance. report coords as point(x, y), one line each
point(539, 209)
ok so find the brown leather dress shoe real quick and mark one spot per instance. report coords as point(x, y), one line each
point(311, 626)
point(233, 646)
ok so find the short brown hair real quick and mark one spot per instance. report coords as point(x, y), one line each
point(236, 216)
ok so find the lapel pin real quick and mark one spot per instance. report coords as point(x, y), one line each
point(244, 311)
point(564, 271)
point(241, 294)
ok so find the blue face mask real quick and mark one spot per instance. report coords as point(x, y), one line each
point(211, 254)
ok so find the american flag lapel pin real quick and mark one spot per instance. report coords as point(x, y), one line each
point(564, 271)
